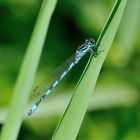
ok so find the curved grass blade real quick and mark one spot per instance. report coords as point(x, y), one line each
point(71, 121)
point(27, 72)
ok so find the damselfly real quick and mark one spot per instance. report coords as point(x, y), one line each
point(87, 47)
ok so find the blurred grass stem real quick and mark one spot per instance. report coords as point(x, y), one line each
point(27, 72)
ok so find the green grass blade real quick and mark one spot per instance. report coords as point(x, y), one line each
point(71, 121)
point(27, 72)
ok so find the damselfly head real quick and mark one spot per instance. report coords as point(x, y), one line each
point(87, 46)
point(89, 43)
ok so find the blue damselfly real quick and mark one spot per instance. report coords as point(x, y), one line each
point(87, 47)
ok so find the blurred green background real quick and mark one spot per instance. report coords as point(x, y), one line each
point(113, 113)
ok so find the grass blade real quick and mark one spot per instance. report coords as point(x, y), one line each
point(71, 121)
point(27, 72)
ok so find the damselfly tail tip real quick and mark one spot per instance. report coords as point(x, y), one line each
point(30, 112)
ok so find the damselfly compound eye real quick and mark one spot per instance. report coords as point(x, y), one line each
point(90, 42)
